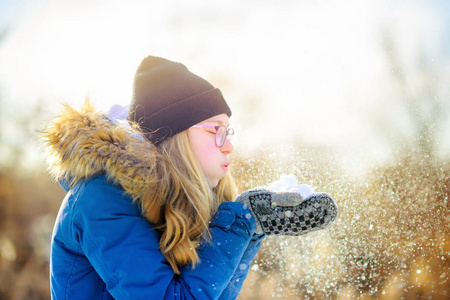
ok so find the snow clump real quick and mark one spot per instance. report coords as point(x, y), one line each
point(289, 183)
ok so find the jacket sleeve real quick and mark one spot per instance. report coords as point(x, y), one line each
point(235, 285)
point(220, 258)
point(123, 248)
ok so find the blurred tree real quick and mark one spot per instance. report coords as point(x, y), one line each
point(416, 112)
point(17, 125)
point(3, 32)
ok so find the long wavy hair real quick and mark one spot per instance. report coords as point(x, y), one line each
point(182, 203)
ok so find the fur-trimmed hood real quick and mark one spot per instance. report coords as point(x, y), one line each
point(86, 143)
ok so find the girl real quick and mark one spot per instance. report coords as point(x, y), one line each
point(149, 211)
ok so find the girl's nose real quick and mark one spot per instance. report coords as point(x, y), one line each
point(227, 147)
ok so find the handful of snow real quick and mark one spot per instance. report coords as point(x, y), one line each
point(289, 183)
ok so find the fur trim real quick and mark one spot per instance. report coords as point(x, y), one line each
point(86, 143)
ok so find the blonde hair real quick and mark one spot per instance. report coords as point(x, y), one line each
point(183, 203)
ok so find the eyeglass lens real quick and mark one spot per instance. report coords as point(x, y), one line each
point(221, 135)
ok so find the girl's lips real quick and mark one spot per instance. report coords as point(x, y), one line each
point(225, 166)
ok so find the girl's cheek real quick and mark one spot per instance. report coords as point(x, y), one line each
point(207, 155)
point(207, 148)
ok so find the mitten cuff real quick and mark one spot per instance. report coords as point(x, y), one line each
point(234, 214)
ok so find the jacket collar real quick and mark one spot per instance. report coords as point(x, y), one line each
point(86, 143)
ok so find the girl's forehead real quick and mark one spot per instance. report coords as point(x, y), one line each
point(221, 119)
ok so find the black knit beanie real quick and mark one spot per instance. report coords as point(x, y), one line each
point(168, 98)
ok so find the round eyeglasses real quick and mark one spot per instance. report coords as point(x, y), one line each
point(222, 132)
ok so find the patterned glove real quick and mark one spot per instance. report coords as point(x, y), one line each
point(287, 213)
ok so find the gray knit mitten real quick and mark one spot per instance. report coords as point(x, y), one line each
point(287, 213)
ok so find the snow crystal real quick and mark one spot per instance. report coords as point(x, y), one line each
point(391, 238)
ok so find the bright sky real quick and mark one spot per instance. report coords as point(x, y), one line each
point(310, 69)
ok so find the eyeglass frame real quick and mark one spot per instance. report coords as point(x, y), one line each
point(229, 133)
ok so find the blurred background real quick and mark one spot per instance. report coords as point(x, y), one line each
point(352, 97)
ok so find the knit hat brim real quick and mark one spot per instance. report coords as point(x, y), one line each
point(181, 115)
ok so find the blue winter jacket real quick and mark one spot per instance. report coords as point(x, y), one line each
point(102, 245)
point(102, 248)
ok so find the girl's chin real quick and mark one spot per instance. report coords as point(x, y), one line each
point(214, 182)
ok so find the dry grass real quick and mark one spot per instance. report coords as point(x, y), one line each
point(391, 241)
